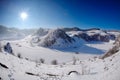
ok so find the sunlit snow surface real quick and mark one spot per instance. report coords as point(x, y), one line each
point(89, 69)
point(35, 53)
point(78, 62)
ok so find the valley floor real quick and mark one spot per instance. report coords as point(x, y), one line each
point(93, 69)
point(71, 65)
point(35, 53)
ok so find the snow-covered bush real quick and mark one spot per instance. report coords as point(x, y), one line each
point(37, 63)
point(19, 55)
point(74, 60)
point(54, 62)
point(42, 60)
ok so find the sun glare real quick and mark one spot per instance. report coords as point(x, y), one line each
point(24, 15)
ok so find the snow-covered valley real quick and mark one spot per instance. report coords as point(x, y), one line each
point(89, 69)
point(60, 55)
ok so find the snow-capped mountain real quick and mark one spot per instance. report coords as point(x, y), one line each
point(79, 58)
point(41, 32)
point(14, 33)
point(93, 35)
point(94, 68)
point(114, 49)
point(55, 37)
point(66, 37)
point(78, 29)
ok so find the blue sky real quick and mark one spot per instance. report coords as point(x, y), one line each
point(103, 14)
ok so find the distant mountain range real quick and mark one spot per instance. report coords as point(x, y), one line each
point(66, 37)
point(62, 37)
point(14, 33)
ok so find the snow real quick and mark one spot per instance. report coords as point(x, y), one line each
point(98, 69)
point(36, 53)
point(77, 61)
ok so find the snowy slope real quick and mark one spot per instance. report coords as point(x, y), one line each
point(78, 61)
point(58, 38)
point(36, 53)
point(94, 35)
point(81, 50)
point(54, 38)
point(71, 37)
point(92, 69)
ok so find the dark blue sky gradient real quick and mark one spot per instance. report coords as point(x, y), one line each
point(104, 14)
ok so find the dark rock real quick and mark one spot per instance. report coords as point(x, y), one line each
point(3, 65)
point(94, 37)
point(73, 72)
point(8, 48)
point(114, 50)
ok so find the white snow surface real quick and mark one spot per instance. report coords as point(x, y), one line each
point(92, 69)
point(79, 62)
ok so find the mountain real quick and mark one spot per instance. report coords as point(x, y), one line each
point(14, 33)
point(93, 68)
point(95, 35)
point(41, 32)
point(78, 29)
point(66, 37)
point(114, 49)
point(56, 37)
point(59, 38)
point(41, 63)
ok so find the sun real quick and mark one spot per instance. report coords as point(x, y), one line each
point(23, 15)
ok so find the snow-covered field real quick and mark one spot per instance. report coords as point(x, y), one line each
point(35, 53)
point(90, 69)
point(69, 58)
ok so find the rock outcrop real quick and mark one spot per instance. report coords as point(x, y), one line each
point(114, 50)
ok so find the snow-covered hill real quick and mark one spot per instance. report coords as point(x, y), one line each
point(73, 37)
point(74, 56)
point(94, 35)
point(14, 68)
point(54, 38)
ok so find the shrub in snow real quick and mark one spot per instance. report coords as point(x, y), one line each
point(71, 72)
point(37, 63)
point(85, 69)
point(42, 60)
point(1, 78)
point(54, 62)
point(19, 55)
point(76, 52)
point(110, 59)
point(74, 60)
point(106, 68)
point(64, 63)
